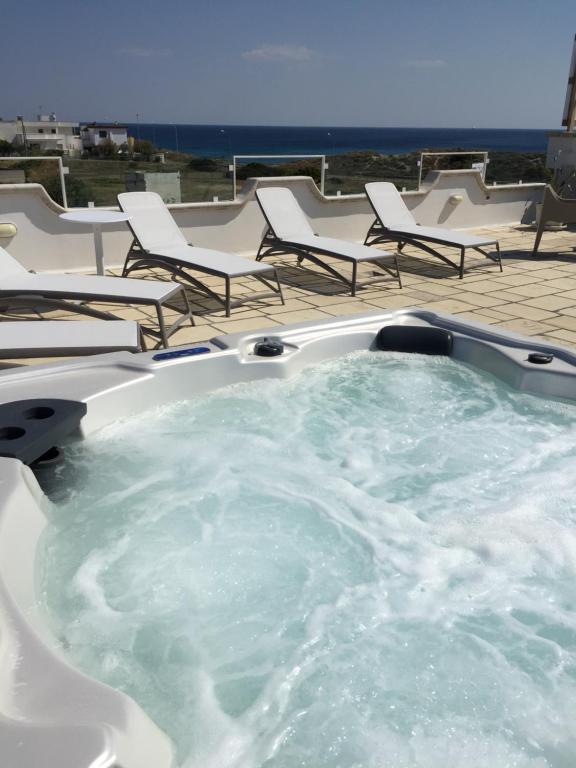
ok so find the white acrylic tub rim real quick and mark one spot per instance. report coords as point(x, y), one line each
point(51, 714)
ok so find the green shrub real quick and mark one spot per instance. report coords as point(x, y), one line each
point(144, 148)
point(203, 164)
point(78, 193)
point(106, 148)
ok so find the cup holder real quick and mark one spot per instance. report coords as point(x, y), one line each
point(29, 429)
point(11, 433)
point(38, 413)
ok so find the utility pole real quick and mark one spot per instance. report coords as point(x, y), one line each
point(24, 138)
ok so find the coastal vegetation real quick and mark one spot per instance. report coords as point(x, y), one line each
point(100, 177)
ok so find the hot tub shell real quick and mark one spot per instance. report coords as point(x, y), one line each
point(50, 713)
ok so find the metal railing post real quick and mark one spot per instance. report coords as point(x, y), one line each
point(62, 183)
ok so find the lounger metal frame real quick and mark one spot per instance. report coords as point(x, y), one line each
point(74, 302)
point(275, 247)
point(381, 234)
point(178, 270)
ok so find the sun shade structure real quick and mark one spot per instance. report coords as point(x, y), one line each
point(158, 242)
point(395, 223)
point(289, 231)
point(22, 289)
point(61, 338)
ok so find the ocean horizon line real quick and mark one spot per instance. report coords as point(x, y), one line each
point(218, 140)
point(173, 123)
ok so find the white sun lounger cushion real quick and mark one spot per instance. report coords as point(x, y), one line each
point(342, 248)
point(394, 215)
point(159, 235)
point(56, 338)
point(284, 215)
point(16, 280)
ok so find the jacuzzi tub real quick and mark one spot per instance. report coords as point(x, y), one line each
point(53, 715)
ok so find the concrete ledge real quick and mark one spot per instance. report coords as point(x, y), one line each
point(46, 243)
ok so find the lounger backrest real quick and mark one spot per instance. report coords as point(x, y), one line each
point(9, 265)
point(388, 205)
point(151, 221)
point(282, 212)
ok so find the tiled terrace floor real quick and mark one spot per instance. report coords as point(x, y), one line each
point(532, 296)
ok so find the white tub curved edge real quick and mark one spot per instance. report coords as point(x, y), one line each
point(53, 716)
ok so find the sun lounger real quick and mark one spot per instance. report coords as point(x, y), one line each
point(20, 288)
point(395, 223)
point(289, 231)
point(158, 242)
point(60, 338)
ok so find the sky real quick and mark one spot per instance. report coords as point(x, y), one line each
point(382, 63)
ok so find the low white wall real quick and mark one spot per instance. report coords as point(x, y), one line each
point(237, 226)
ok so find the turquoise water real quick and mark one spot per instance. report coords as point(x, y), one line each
point(370, 565)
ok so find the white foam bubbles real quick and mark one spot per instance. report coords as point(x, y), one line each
point(369, 564)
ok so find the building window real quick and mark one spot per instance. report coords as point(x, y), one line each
point(53, 130)
point(76, 131)
point(102, 134)
point(40, 130)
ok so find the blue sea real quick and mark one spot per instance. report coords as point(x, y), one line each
point(226, 140)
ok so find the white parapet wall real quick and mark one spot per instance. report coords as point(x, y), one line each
point(455, 199)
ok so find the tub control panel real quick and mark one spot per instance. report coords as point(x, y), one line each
point(174, 354)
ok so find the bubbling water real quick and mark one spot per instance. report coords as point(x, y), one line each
point(370, 565)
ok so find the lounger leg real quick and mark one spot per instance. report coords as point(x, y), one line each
point(188, 307)
point(259, 254)
point(538, 237)
point(142, 339)
point(354, 276)
point(462, 252)
point(398, 271)
point(161, 325)
point(227, 279)
point(279, 287)
point(371, 231)
point(498, 255)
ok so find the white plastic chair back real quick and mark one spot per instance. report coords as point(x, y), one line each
point(284, 215)
point(388, 205)
point(151, 221)
point(9, 265)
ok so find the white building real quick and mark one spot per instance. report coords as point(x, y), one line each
point(94, 134)
point(44, 134)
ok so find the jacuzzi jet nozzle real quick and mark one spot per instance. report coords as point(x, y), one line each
point(540, 358)
point(268, 347)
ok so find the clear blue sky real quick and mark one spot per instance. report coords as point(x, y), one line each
point(445, 63)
